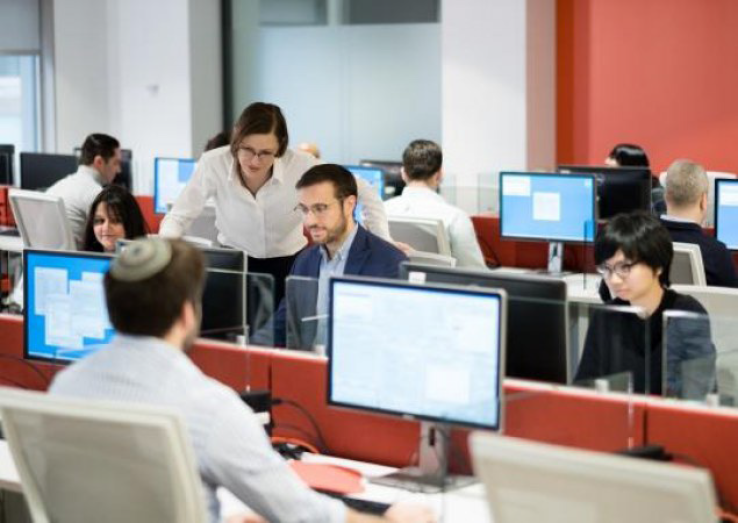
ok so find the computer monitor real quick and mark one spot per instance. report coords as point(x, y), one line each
point(372, 176)
point(7, 158)
point(619, 189)
point(393, 182)
point(170, 177)
point(537, 317)
point(726, 212)
point(549, 207)
point(530, 481)
point(428, 352)
point(65, 313)
point(39, 171)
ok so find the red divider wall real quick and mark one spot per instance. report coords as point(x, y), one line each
point(153, 220)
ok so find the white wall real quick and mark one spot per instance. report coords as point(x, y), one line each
point(498, 82)
point(146, 72)
point(358, 91)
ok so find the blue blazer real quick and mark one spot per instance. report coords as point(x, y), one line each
point(369, 256)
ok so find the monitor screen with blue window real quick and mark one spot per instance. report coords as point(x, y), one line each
point(372, 176)
point(170, 177)
point(547, 207)
point(65, 313)
point(726, 212)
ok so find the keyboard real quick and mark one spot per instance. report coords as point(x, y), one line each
point(375, 508)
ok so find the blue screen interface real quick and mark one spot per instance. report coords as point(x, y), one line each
point(726, 212)
point(170, 178)
point(372, 176)
point(549, 207)
point(65, 313)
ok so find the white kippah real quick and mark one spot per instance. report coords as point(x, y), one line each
point(141, 259)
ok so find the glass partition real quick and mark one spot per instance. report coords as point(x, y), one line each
point(235, 305)
point(488, 199)
point(302, 324)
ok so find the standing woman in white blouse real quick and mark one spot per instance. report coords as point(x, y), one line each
point(252, 184)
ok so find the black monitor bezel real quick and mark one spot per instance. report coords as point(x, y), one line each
point(26, 280)
point(156, 177)
point(24, 156)
point(380, 282)
point(562, 373)
point(8, 150)
point(718, 183)
point(580, 241)
point(607, 175)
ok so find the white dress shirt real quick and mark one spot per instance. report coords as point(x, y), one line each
point(423, 202)
point(78, 191)
point(230, 445)
point(266, 225)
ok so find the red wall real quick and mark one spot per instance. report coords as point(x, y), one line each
point(659, 73)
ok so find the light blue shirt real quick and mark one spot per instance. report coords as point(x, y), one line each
point(230, 444)
point(328, 268)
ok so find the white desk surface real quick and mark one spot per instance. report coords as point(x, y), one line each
point(462, 505)
point(11, 243)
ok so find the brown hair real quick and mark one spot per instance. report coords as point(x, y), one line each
point(260, 118)
point(150, 307)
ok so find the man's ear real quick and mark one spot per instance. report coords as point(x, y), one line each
point(188, 316)
point(403, 174)
point(349, 205)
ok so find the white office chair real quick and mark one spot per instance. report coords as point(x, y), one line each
point(687, 267)
point(82, 461)
point(42, 220)
point(721, 304)
point(711, 177)
point(430, 258)
point(527, 481)
point(423, 234)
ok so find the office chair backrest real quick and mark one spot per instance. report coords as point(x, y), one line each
point(422, 234)
point(711, 177)
point(430, 258)
point(527, 481)
point(721, 304)
point(101, 461)
point(42, 220)
point(687, 267)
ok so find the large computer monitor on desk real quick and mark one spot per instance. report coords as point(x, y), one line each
point(619, 189)
point(170, 177)
point(374, 177)
point(726, 212)
point(434, 353)
point(40, 171)
point(41, 219)
point(7, 158)
point(537, 317)
point(65, 313)
point(548, 207)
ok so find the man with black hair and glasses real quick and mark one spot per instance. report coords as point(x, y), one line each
point(99, 163)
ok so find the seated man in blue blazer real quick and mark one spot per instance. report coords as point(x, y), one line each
point(327, 198)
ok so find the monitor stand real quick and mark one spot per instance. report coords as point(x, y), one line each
point(431, 474)
point(555, 260)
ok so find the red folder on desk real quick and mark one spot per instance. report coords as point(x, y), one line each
point(329, 478)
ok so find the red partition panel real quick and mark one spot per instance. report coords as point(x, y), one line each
point(700, 435)
point(238, 367)
point(14, 370)
point(153, 220)
point(347, 433)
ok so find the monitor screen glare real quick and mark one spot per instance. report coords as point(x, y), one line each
point(548, 207)
point(372, 176)
point(726, 212)
point(433, 353)
point(170, 177)
point(65, 313)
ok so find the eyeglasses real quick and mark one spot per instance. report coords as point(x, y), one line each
point(247, 154)
point(318, 210)
point(622, 269)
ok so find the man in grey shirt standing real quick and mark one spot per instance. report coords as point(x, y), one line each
point(153, 292)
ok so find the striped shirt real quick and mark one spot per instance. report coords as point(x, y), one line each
point(231, 446)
